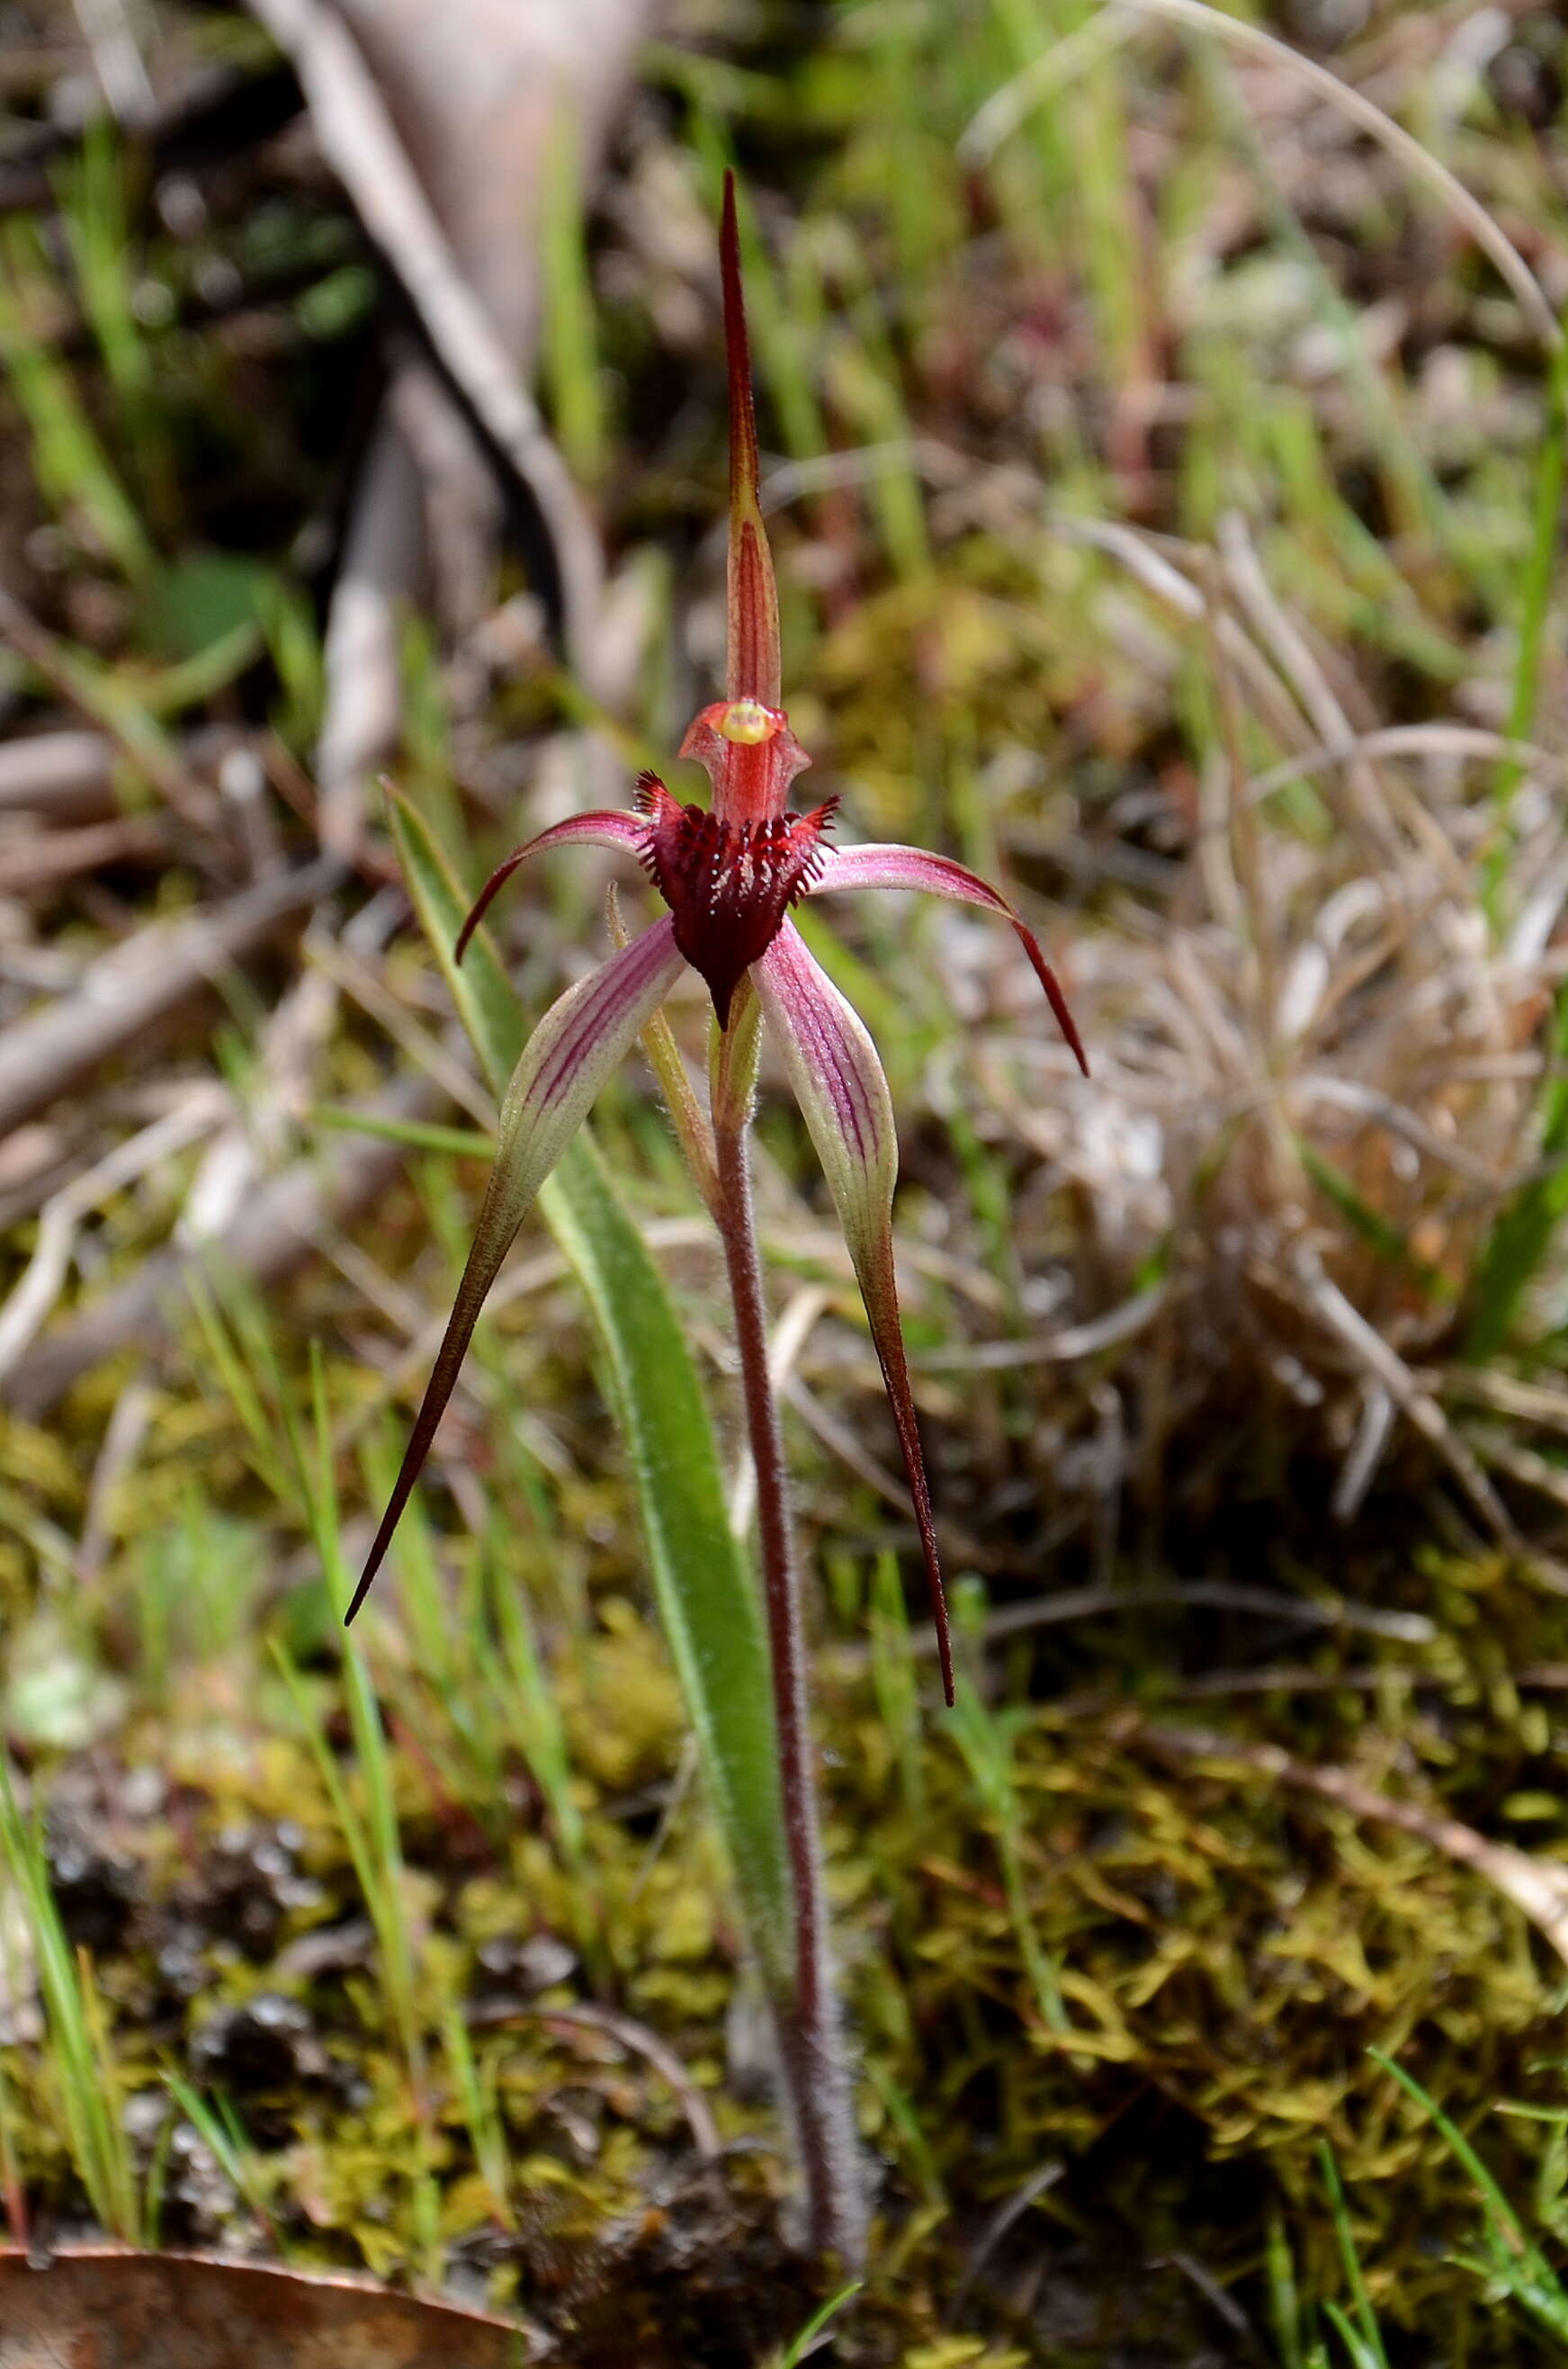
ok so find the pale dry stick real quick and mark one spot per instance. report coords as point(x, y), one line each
point(676, 1795)
point(470, 92)
point(1151, 568)
point(788, 1339)
point(1402, 928)
point(148, 750)
point(1369, 1679)
point(1419, 161)
point(117, 61)
point(1005, 2217)
point(462, 509)
point(1528, 942)
point(840, 1441)
point(1348, 1093)
point(374, 1285)
point(126, 1430)
point(1375, 1357)
point(64, 776)
point(1364, 813)
point(275, 1231)
point(49, 858)
point(1536, 1887)
point(42, 1280)
point(279, 1095)
point(1526, 1465)
point(1295, 1677)
point(441, 1062)
point(1069, 1604)
point(379, 571)
point(1404, 740)
point(1385, 48)
point(1241, 886)
point(942, 465)
point(638, 2041)
point(1328, 715)
point(1075, 53)
point(1487, 1068)
point(1119, 1324)
point(958, 1274)
point(1535, 1402)
point(1200, 994)
point(276, 1099)
point(1234, 873)
point(1373, 1432)
point(361, 143)
point(526, 1276)
point(127, 991)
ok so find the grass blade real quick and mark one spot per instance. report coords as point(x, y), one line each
point(807, 2340)
point(86, 2077)
point(1540, 575)
point(1365, 2349)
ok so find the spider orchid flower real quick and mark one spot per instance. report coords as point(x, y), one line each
point(729, 874)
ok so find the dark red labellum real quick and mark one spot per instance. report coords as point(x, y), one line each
point(727, 884)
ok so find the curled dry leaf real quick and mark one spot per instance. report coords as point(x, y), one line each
point(102, 2307)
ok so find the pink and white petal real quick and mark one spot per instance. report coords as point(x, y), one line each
point(838, 1082)
point(565, 1062)
point(882, 867)
point(606, 827)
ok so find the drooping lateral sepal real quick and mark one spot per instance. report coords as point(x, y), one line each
point(887, 866)
point(571, 1053)
point(729, 885)
point(607, 827)
point(838, 1082)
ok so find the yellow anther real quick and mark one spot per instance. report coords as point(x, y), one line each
point(748, 721)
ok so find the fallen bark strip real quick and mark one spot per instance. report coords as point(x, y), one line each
point(272, 1233)
point(1538, 1887)
point(128, 991)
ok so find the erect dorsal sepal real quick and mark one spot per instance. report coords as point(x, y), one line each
point(752, 667)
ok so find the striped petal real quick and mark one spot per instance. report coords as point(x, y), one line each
point(564, 1064)
point(838, 1082)
point(937, 876)
point(606, 827)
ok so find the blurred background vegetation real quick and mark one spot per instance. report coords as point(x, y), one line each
point(1165, 466)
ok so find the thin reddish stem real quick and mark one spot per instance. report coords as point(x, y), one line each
point(816, 2078)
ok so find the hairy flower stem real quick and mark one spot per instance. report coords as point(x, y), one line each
point(810, 2040)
